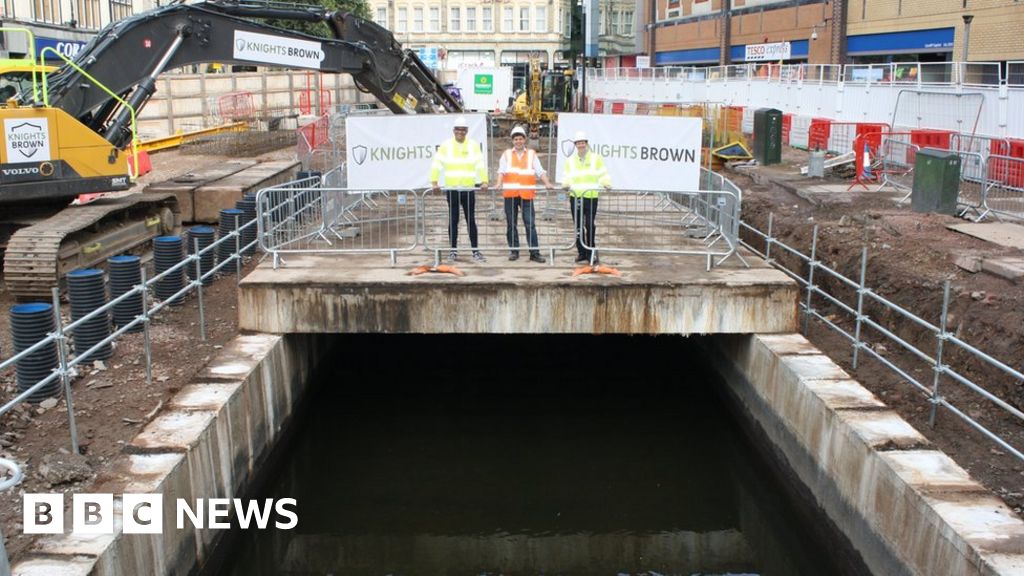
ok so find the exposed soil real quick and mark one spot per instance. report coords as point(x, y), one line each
point(910, 257)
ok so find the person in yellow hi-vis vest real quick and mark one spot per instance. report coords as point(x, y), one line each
point(519, 166)
point(460, 162)
point(583, 175)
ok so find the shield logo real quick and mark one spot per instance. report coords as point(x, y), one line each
point(239, 45)
point(568, 147)
point(359, 154)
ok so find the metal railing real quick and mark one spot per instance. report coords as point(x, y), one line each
point(893, 73)
point(852, 299)
point(66, 368)
point(308, 218)
point(13, 480)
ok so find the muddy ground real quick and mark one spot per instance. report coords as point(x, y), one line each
point(910, 257)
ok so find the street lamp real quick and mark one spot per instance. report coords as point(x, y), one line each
point(967, 34)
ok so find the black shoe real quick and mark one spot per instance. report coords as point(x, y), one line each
point(537, 258)
point(582, 260)
point(513, 256)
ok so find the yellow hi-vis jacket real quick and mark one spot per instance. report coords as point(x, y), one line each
point(585, 177)
point(462, 164)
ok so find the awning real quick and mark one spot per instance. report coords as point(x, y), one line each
point(908, 42)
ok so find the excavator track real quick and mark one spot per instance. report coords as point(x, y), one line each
point(39, 256)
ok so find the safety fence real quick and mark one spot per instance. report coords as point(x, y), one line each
point(883, 154)
point(894, 73)
point(313, 218)
point(878, 327)
point(231, 249)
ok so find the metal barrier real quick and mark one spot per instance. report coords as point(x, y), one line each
point(15, 478)
point(896, 156)
point(552, 219)
point(852, 299)
point(698, 223)
point(974, 183)
point(301, 218)
point(1004, 192)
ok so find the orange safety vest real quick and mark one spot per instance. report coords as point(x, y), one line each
point(520, 171)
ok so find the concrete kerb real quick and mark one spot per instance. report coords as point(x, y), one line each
point(206, 443)
point(908, 509)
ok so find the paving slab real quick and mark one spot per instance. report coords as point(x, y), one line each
point(1001, 233)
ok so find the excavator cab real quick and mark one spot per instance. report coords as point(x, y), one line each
point(17, 76)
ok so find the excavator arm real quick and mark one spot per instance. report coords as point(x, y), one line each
point(127, 56)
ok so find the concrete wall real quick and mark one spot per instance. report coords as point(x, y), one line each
point(905, 507)
point(207, 443)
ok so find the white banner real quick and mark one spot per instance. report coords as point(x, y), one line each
point(768, 52)
point(277, 50)
point(641, 152)
point(395, 152)
point(27, 139)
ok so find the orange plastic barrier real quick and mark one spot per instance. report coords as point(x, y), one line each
point(618, 107)
point(1009, 172)
point(929, 138)
point(818, 134)
point(145, 164)
point(598, 106)
point(732, 118)
point(787, 125)
point(870, 133)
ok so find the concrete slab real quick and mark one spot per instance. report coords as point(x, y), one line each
point(1010, 268)
point(62, 566)
point(183, 185)
point(1001, 233)
point(930, 470)
point(844, 394)
point(354, 293)
point(209, 199)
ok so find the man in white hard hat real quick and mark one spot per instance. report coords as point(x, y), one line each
point(584, 174)
point(460, 162)
point(518, 170)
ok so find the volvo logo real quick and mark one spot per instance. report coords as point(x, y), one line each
point(21, 171)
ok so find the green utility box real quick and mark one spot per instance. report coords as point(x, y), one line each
point(767, 136)
point(936, 181)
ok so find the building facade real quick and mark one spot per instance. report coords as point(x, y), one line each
point(718, 32)
point(64, 26)
point(461, 33)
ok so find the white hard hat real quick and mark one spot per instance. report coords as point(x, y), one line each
point(460, 122)
point(518, 131)
point(580, 136)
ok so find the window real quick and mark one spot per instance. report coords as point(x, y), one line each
point(7, 11)
point(627, 23)
point(417, 19)
point(540, 19)
point(382, 16)
point(87, 12)
point(524, 19)
point(488, 19)
point(470, 19)
point(506, 17)
point(454, 19)
point(403, 20)
point(435, 19)
point(46, 11)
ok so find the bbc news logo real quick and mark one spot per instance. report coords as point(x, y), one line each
point(144, 513)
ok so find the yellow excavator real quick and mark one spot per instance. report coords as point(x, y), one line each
point(71, 131)
point(548, 92)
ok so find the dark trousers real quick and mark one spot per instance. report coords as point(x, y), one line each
point(512, 208)
point(466, 199)
point(586, 233)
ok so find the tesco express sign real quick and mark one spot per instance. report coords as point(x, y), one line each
point(763, 52)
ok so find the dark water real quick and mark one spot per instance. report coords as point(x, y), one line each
point(525, 455)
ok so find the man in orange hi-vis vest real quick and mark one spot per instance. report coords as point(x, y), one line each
point(519, 166)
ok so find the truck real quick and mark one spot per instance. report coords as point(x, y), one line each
point(547, 93)
point(72, 131)
point(485, 89)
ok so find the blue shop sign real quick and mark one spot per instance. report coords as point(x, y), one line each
point(909, 42)
point(68, 48)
